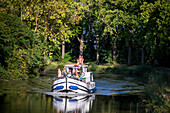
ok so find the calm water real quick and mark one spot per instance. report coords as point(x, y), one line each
point(115, 94)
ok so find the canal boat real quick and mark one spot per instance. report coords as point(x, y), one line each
point(84, 84)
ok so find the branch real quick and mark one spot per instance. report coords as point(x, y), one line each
point(36, 21)
point(78, 39)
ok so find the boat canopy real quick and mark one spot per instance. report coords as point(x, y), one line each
point(72, 66)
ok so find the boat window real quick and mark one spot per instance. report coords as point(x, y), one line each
point(70, 70)
point(84, 69)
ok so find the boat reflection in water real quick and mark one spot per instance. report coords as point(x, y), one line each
point(73, 103)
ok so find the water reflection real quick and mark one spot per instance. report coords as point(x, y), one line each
point(42, 103)
point(117, 104)
point(73, 104)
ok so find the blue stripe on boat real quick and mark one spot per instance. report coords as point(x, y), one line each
point(73, 87)
point(59, 87)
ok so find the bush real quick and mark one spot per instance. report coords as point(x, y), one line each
point(60, 66)
point(66, 58)
point(17, 64)
point(51, 66)
point(142, 70)
point(155, 95)
point(4, 75)
point(94, 66)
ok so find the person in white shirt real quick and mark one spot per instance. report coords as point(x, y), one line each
point(59, 72)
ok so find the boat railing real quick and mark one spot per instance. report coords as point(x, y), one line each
point(81, 78)
point(60, 77)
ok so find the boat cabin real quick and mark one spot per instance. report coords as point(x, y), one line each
point(81, 71)
point(81, 68)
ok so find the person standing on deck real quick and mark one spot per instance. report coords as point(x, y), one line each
point(76, 68)
point(80, 60)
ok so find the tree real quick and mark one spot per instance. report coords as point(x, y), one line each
point(53, 21)
point(155, 18)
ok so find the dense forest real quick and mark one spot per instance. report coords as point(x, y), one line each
point(102, 31)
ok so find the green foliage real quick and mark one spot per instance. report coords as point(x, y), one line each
point(94, 66)
point(5, 75)
point(61, 66)
point(66, 58)
point(155, 94)
point(21, 52)
point(52, 66)
point(17, 64)
point(37, 29)
point(105, 54)
point(109, 60)
point(142, 70)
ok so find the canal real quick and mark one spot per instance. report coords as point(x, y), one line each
point(115, 94)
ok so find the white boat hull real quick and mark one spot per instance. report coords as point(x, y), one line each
point(73, 85)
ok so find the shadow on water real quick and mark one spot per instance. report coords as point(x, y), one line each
point(114, 95)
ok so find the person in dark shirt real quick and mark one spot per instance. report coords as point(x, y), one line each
point(64, 73)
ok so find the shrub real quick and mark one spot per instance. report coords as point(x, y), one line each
point(155, 95)
point(60, 66)
point(142, 70)
point(4, 75)
point(94, 66)
point(66, 58)
point(17, 64)
point(52, 66)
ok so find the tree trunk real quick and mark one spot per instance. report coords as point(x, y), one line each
point(45, 39)
point(97, 43)
point(130, 46)
point(114, 50)
point(81, 45)
point(36, 21)
point(63, 49)
point(114, 43)
point(129, 55)
point(156, 52)
point(21, 12)
point(143, 56)
point(97, 56)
